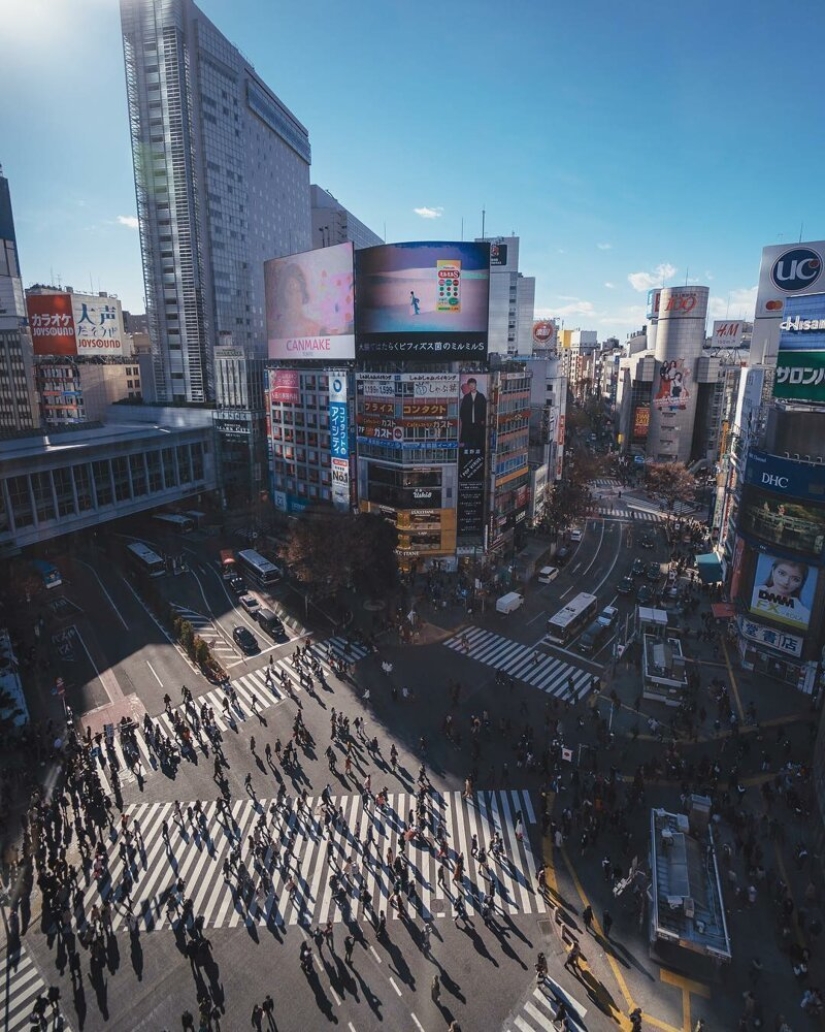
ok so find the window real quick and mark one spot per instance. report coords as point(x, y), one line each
point(120, 471)
point(103, 482)
point(83, 487)
point(138, 471)
point(153, 464)
point(20, 499)
point(63, 488)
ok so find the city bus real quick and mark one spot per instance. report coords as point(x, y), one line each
point(182, 524)
point(229, 568)
point(146, 560)
point(262, 570)
point(48, 573)
point(575, 616)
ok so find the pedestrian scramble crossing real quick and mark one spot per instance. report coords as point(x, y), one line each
point(524, 662)
point(606, 483)
point(248, 687)
point(537, 1012)
point(20, 986)
point(197, 855)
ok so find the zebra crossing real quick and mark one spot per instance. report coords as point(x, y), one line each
point(526, 663)
point(205, 628)
point(606, 482)
point(536, 1013)
point(197, 854)
point(629, 514)
point(252, 691)
point(20, 986)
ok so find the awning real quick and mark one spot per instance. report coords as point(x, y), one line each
point(723, 610)
point(710, 569)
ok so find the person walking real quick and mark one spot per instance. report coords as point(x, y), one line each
point(587, 916)
point(349, 945)
point(268, 1007)
point(257, 1016)
point(574, 955)
point(607, 923)
point(435, 989)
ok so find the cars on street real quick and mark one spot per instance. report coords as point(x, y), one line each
point(576, 534)
point(562, 555)
point(625, 586)
point(653, 571)
point(246, 640)
point(608, 616)
point(547, 574)
point(638, 567)
point(250, 603)
point(237, 584)
point(644, 595)
point(648, 541)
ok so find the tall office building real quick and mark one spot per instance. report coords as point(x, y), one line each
point(18, 406)
point(512, 299)
point(222, 184)
point(333, 224)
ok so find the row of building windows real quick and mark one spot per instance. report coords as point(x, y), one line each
point(38, 497)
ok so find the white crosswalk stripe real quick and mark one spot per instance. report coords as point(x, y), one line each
point(249, 687)
point(205, 628)
point(633, 515)
point(606, 482)
point(541, 669)
point(198, 857)
point(537, 1010)
point(20, 985)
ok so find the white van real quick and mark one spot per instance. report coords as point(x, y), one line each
point(547, 574)
point(510, 602)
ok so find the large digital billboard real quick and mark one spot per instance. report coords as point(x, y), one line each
point(423, 300)
point(800, 363)
point(783, 590)
point(472, 435)
point(782, 521)
point(785, 476)
point(310, 307)
point(75, 324)
point(787, 270)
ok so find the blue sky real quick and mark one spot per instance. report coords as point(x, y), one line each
point(626, 146)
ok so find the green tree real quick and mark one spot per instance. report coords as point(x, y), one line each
point(372, 557)
point(187, 635)
point(670, 481)
point(202, 653)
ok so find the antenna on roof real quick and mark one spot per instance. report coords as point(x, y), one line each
point(801, 227)
point(483, 220)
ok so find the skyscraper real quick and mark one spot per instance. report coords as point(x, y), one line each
point(222, 184)
point(18, 408)
point(512, 298)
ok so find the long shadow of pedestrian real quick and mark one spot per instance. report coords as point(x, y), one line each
point(321, 999)
point(79, 1000)
point(98, 982)
point(397, 962)
point(501, 933)
point(478, 943)
point(374, 1002)
point(112, 953)
point(136, 953)
point(451, 986)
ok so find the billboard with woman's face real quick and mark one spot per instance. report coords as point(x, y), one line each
point(783, 590)
point(310, 304)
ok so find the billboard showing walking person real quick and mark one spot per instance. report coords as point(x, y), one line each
point(472, 450)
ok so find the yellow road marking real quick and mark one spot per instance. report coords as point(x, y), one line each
point(687, 986)
point(733, 683)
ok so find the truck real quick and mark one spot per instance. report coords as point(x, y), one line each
point(510, 602)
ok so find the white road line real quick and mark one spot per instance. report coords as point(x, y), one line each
point(372, 951)
point(418, 1024)
point(335, 996)
point(154, 672)
point(105, 592)
point(392, 983)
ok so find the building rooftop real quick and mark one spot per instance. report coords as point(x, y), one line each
point(80, 439)
point(688, 909)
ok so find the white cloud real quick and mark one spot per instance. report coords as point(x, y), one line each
point(642, 281)
point(577, 307)
point(610, 286)
point(429, 213)
point(128, 220)
point(739, 304)
point(605, 247)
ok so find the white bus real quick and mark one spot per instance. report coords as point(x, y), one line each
point(182, 524)
point(145, 559)
point(575, 616)
point(253, 563)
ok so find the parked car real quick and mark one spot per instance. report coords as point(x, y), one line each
point(608, 616)
point(625, 586)
point(653, 571)
point(250, 603)
point(644, 596)
point(638, 567)
point(648, 541)
point(576, 534)
point(246, 640)
point(237, 584)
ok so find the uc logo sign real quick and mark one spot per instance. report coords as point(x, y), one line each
point(796, 269)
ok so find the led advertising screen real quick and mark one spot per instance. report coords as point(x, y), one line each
point(52, 324)
point(641, 422)
point(284, 386)
point(472, 435)
point(423, 300)
point(310, 308)
point(800, 363)
point(785, 522)
point(672, 390)
point(786, 476)
point(783, 590)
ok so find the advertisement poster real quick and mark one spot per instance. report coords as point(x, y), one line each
point(423, 299)
point(782, 521)
point(310, 304)
point(785, 271)
point(672, 389)
point(472, 435)
point(544, 333)
point(98, 324)
point(727, 334)
point(800, 364)
point(284, 386)
point(52, 324)
point(783, 590)
point(641, 422)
